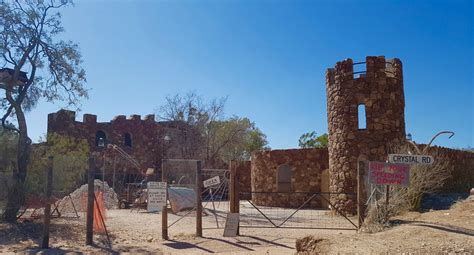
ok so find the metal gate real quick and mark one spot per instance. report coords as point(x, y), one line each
point(301, 210)
point(215, 201)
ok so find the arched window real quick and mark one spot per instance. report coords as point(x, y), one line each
point(127, 140)
point(284, 178)
point(100, 138)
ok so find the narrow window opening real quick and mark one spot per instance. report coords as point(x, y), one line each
point(127, 140)
point(284, 178)
point(362, 120)
point(100, 138)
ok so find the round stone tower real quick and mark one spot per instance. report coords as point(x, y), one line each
point(365, 117)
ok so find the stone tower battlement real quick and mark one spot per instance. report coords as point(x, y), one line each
point(67, 117)
point(375, 67)
point(366, 114)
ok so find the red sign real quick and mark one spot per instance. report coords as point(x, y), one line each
point(381, 173)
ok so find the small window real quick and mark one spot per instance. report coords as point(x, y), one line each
point(127, 140)
point(100, 138)
point(362, 120)
point(284, 178)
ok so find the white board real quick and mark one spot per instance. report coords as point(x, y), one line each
point(410, 159)
point(156, 196)
point(212, 181)
point(231, 225)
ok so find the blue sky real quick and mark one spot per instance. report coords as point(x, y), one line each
point(270, 58)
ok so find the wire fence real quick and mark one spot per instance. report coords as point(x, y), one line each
point(68, 175)
point(308, 214)
point(181, 178)
point(215, 198)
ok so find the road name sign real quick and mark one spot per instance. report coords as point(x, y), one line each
point(381, 173)
point(156, 196)
point(410, 159)
point(212, 181)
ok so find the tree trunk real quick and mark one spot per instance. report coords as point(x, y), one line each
point(16, 193)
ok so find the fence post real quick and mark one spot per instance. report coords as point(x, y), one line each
point(90, 203)
point(164, 223)
point(47, 209)
point(164, 212)
point(231, 187)
point(198, 199)
point(234, 190)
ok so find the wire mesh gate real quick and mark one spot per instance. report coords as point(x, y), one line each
point(301, 210)
point(215, 198)
point(183, 178)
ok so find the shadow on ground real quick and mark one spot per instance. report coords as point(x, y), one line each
point(243, 243)
point(438, 226)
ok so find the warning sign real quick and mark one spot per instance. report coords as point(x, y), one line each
point(231, 225)
point(381, 173)
point(156, 196)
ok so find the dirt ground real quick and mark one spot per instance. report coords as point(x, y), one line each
point(443, 231)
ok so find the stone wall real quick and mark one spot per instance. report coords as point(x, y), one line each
point(306, 167)
point(462, 177)
point(147, 144)
point(380, 89)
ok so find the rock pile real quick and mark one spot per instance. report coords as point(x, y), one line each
point(310, 245)
point(79, 198)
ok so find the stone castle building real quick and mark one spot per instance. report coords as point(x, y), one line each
point(366, 120)
point(146, 140)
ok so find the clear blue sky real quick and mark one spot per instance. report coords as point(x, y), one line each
point(270, 58)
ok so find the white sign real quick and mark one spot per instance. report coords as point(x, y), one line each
point(231, 225)
point(212, 181)
point(410, 159)
point(156, 196)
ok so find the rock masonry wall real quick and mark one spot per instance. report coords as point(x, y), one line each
point(380, 89)
point(306, 167)
point(462, 176)
point(147, 138)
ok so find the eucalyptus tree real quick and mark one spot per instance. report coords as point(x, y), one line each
point(37, 66)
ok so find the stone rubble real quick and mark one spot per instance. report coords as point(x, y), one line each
point(79, 197)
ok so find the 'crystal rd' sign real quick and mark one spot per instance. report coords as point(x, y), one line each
point(410, 159)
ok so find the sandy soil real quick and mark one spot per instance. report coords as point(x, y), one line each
point(445, 231)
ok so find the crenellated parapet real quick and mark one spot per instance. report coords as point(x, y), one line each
point(371, 68)
point(67, 117)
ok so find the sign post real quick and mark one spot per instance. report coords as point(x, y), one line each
point(157, 192)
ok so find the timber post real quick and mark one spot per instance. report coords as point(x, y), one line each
point(90, 203)
point(47, 209)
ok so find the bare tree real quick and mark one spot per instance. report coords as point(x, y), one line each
point(220, 139)
point(36, 65)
